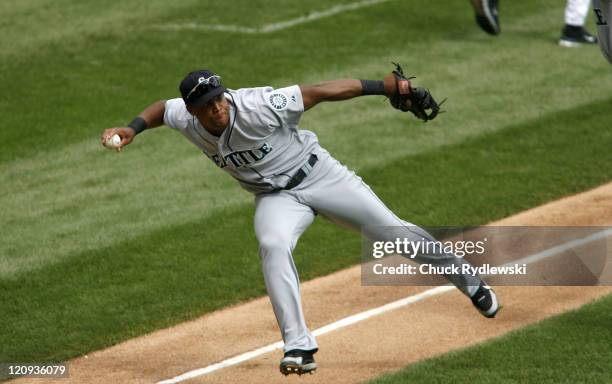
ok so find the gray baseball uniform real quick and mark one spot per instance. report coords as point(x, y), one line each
point(263, 148)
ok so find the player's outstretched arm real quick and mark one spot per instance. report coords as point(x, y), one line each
point(336, 90)
point(396, 86)
point(151, 117)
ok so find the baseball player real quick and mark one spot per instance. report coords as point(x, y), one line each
point(253, 134)
point(602, 10)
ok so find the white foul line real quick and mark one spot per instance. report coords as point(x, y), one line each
point(317, 332)
point(316, 15)
point(379, 310)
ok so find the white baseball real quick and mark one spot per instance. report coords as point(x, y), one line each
point(113, 142)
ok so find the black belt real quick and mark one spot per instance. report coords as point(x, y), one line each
point(301, 174)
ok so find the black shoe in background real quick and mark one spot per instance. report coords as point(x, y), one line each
point(575, 36)
point(487, 15)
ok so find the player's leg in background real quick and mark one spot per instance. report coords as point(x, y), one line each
point(279, 222)
point(487, 15)
point(573, 33)
point(602, 9)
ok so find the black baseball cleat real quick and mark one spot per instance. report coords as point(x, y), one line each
point(298, 361)
point(575, 36)
point(485, 301)
point(487, 15)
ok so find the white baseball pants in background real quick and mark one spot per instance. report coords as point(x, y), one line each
point(576, 12)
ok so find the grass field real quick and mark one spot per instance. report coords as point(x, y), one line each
point(570, 348)
point(99, 247)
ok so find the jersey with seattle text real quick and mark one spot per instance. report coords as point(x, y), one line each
point(262, 147)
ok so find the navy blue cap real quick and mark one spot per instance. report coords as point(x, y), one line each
point(198, 87)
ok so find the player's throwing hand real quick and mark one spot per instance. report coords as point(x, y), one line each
point(126, 135)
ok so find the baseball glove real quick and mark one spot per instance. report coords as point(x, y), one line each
point(416, 100)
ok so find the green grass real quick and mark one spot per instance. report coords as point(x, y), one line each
point(59, 184)
point(567, 349)
point(101, 297)
point(98, 247)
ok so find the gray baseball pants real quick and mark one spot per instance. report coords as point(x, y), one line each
point(336, 193)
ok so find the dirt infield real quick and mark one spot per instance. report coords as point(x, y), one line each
point(357, 352)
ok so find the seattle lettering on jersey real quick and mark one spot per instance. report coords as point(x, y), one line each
point(242, 158)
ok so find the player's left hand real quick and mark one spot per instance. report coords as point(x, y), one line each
point(405, 98)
